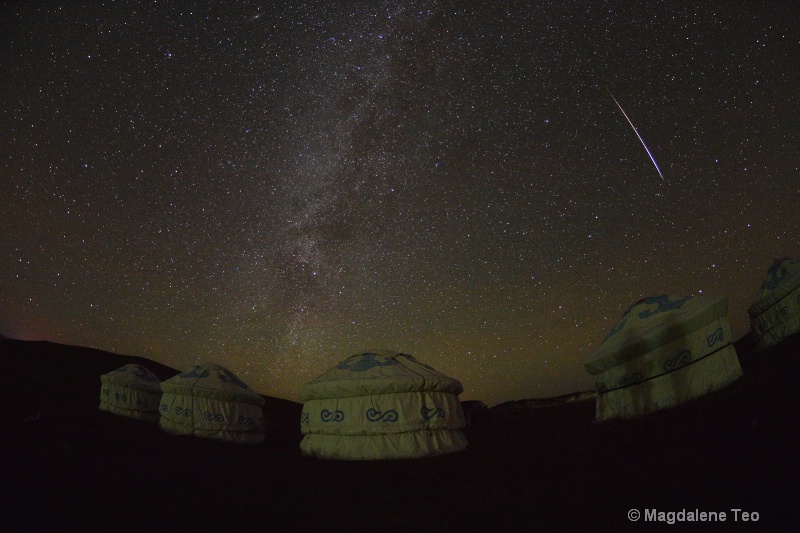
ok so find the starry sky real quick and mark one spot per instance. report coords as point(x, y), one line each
point(275, 186)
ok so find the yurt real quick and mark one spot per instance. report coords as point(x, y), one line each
point(776, 312)
point(131, 391)
point(210, 401)
point(381, 405)
point(665, 350)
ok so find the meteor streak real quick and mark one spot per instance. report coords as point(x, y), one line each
point(637, 134)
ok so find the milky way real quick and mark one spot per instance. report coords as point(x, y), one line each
point(275, 188)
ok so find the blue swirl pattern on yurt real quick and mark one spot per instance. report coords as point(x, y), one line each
point(431, 412)
point(331, 416)
point(373, 415)
point(714, 338)
point(631, 379)
point(683, 358)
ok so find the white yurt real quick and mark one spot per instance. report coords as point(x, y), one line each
point(381, 405)
point(210, 401)
point(776, 312)
point(132, 391)
point(665, 351)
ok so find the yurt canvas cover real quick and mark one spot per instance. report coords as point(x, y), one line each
point(210, 401)
point(381, 405)
point(776, 312)
point(664, 351)
point(131, 391)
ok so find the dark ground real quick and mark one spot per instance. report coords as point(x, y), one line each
point(67, 466)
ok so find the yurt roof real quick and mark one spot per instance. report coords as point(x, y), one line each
point(652, 322)
point(134, 376)
point(378, 372)
point(782, 278)
point(211, 380)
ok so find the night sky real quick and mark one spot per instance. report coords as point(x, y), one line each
point(275, 186)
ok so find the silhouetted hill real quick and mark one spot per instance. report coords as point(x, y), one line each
point(70, 375)
point(67, 466)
